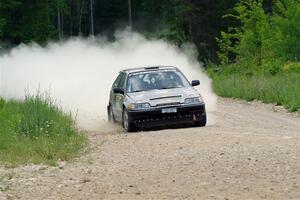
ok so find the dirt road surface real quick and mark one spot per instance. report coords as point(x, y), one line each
point(251, 152)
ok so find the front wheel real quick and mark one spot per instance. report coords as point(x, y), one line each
point(202, 122)
point(127, 122)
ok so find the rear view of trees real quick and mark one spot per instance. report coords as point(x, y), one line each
point(24, 21)
point(244, 33)
point(40, 21)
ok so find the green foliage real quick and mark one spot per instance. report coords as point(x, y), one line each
point(226, 46)
point(2, 102)
point(292, 67)
point(37, 131)
point(267, 49)
point(27, 21)
point(4, 6)
point(245, 41)
point(286, 30)
point(177, 21)
point(174, 13)
point(2, 23)
point(282, 89)
point(167, 19)
point(263, 42)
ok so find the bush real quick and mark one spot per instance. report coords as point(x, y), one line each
point(285, 40)
point(37, 131)
point(292, 67)
point(262, 39)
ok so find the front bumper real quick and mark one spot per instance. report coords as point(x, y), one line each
point(186, 114)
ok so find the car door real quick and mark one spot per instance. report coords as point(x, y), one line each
point(119, 98)
point(113, 95)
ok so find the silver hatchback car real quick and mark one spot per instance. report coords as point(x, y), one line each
point(155, 96)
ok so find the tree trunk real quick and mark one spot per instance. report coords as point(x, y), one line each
point(62, 25)
point(176, 19)
point(71, 20)
point(91, 17)
point(58, 23)
point(48, 12)
point(190, 20)
point(80, 19)
point(130, 15)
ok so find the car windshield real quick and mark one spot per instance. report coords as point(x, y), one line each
point(144, 81)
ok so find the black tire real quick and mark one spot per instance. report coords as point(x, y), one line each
point(110, 115)
point(127, 122)
point(202, 122)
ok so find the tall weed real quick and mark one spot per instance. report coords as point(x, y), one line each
point(282, 89)
point(37, 131)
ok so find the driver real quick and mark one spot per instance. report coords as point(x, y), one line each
point(153, 81)
point(171, 80)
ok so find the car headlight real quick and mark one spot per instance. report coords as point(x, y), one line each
point(193, 100)
point(138, 106)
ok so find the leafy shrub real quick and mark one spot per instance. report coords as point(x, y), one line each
point(286, 30)
point(246, 41)
point(263, 41)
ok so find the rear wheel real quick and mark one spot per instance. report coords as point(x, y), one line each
point(127, 122)
point(110, 115)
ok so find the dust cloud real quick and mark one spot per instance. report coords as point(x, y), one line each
point(80, 72)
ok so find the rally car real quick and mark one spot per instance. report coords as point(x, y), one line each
point(159, 96)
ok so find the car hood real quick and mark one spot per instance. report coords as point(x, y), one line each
point(163, 97)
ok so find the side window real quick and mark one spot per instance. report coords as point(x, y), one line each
point(122, 81)
point(116, 83)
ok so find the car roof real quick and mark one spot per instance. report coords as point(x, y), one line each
point(150, 68)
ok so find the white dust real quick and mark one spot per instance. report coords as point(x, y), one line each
point(80, 72)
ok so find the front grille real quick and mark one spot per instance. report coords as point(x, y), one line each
point(167, 97)
point(169, 104)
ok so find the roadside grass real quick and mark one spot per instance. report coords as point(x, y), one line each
point(282, 88)
point(37, 131)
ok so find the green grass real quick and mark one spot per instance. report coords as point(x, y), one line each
point(37, 131)
point(282, 89)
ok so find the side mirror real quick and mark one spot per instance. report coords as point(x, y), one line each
point(118, 91)
point(195, 83)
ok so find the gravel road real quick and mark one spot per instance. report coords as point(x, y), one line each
point(251, 152)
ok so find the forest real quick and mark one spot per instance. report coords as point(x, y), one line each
point(178, 21)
